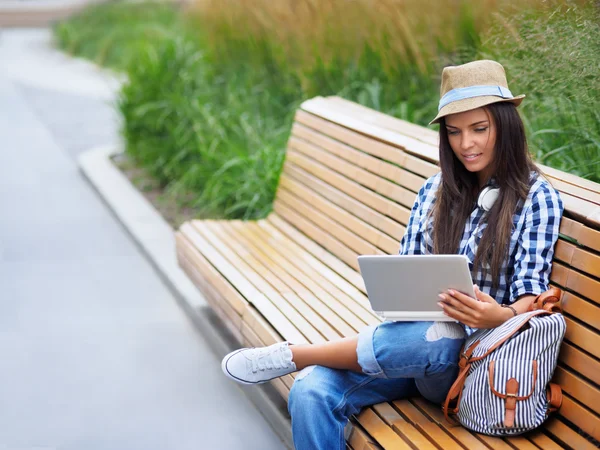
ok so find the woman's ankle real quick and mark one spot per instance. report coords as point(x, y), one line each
point(299, 355)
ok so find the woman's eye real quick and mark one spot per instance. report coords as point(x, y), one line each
point(481, 130)
point(452, 133)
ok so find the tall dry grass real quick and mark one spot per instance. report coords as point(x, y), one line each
point(303, 33)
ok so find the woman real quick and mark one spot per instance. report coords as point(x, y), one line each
point(489, 203)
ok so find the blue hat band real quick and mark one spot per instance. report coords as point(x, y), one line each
point(473, 91)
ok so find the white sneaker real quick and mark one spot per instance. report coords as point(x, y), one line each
point(258, 365)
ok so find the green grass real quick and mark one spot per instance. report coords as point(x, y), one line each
point(555, 61)
point(210, 112)
point(112, 34)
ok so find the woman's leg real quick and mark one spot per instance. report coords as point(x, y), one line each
point(338, 354)
point(396, 359)
point(425, 351)
point(322, 400)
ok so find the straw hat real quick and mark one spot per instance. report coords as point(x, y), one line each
point(472, 86)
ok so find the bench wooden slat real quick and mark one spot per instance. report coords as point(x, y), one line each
point(386, 188)
point(580, 416)
point(319, 107)
point(380, 431)
point(335, 264)
point(580, 362)
point(339, 276)
point(567, 436)
point(327, 306)
point(543, 441)
point(575, 281)
point(521, 443)
point(340, 215)
point(426, 426)
point(372, 199)
point(579, 389)
point(585, 236)
point(374, 117)
point(225, 289)
point(359, 440)
point(249, 291)
point(571, 179)
point(389, 153)
point(321, 279)
point(462, 435)
point(308, 306)
point(221, 309)
point(577, 307)
point(265, 331)
point(325, 240)
point(581, 209)
point(260, 277)
point(513, 442)
point(583, 337)
point(359, 209)
point(404, 429)
point(578, 258)
point(571, 189)
point(327, 226)
point(375, 165)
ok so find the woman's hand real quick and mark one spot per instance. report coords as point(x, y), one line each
point(484, 312)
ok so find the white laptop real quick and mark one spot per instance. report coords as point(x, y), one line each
point(406, 287)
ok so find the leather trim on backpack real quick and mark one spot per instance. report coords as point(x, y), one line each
point(548, 301)
point(512, 389)
point(510, 393)
point(554, 395)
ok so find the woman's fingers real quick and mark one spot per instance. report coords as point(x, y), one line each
point(453, 311)
point(465, 299)
point(458, 300)
point(459, 306)
point(447, 301)
point(482, 296)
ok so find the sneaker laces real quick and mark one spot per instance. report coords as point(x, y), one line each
point(269, 358)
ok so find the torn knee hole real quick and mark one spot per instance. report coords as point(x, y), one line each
point(304, 372)
point(441, 330)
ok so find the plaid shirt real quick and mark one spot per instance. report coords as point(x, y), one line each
point(527, 269)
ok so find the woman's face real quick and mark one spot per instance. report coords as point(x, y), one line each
point(472, 136)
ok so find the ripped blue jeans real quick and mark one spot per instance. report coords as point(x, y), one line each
point(399, 360)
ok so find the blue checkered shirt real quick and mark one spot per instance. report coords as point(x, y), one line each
point(535, 231)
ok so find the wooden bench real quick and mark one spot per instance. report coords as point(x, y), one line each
point(350, 178)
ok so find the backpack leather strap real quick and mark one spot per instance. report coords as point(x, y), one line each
point(450, 406)
point(510, 405)
point(548, 301)
point(554, 395)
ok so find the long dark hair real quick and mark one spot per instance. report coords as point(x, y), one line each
point(459, 189)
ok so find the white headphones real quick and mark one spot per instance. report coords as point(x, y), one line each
point(488, 197)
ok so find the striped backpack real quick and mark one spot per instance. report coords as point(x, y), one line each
point(503, 386)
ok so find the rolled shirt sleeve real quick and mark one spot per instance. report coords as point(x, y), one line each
point(535, 245)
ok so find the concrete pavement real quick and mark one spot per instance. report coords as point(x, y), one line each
point(95, 352)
